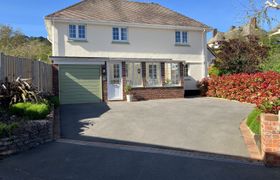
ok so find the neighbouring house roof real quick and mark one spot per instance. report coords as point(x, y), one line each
point(252, 30)
point(275, 31)
point(249, 29)
point(125, 11)
point(217, 38)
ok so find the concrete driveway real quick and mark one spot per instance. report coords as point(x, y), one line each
point(200, 124)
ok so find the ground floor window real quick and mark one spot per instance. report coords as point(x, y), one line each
point(153, 74)
point(172, 74)
point(134, 74)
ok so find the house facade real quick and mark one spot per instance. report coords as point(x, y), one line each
point(101, 46)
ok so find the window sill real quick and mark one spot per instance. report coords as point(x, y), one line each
point(180, 44)
point(172, 85)
point(120, 42)
point(77, 40)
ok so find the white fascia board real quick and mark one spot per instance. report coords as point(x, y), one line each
point(59, 60)
point(112, 23)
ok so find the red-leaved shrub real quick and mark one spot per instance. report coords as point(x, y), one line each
point(252, 88)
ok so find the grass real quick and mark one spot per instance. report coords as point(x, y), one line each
point(253, 121)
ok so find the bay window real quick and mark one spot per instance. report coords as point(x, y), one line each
point(172, 74)
point(134, 74)
point(153, 74)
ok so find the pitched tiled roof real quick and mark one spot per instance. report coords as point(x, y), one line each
point(125, 11)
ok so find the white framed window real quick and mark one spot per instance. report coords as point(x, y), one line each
point(77, 32)
point(172, 74)
point(134, 74)
point(181, 37)
point(153, 74)
point(120, 34)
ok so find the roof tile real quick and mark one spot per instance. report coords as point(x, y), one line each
point(125, 11)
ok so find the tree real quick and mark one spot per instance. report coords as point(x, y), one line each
point(241, 56)
point(272, 4)
point(15, 43)
point(261, 11)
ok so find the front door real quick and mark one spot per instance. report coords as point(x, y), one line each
point(114, 81)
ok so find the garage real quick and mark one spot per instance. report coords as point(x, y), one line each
point(80, 84)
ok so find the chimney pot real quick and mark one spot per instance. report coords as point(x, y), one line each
point(215, 32)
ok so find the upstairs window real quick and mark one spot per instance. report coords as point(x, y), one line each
point(120, 34)
point(77, 32)
point(72, 31)
point(181, 37)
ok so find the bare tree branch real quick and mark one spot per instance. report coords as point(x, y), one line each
point(272, 4)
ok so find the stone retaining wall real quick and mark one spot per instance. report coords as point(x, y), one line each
point(28, 136)
point(270, 139)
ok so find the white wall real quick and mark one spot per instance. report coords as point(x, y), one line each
point(143, 43)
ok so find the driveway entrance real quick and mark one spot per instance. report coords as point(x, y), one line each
point(201, 124)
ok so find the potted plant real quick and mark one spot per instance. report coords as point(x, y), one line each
point(128, 90)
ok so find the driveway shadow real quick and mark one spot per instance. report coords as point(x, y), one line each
point(73, 118)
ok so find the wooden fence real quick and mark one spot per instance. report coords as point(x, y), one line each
point(39, 72)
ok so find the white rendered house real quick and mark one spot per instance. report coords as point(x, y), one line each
point(100, 46)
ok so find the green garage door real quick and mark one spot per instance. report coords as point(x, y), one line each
point(79, 84)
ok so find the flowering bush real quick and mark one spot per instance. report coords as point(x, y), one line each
point(270, 106)
point(252, 88)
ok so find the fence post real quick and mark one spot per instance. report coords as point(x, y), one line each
point(1, 66)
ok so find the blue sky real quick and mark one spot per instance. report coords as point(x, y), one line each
point(27, 15)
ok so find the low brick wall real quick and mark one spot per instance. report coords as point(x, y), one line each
point(270, 139)
point(158, 93)
point(30, 135)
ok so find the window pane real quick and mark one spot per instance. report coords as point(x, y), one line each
point(134, 74)
point(82, 31)
point(124, 34)
point(153, 74)
point(115, 33)
point(172, 74)
point(185, 37)
point(178, 36)
point(72, 31)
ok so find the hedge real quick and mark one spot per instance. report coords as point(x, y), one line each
point(260, 88)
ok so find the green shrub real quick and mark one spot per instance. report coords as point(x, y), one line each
point(30, 111)
point(7, 129)
point(253, 121)
point(214, 71)
point(37, 111)
point(54, 100)
point(19, 108)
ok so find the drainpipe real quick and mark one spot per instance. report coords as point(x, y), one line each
point(204, 63)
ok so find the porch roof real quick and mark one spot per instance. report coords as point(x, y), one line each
point(102, 60)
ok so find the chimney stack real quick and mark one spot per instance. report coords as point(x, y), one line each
point(254, 22)
point(215, 32)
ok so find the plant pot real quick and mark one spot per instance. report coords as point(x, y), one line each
point(129, 97)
